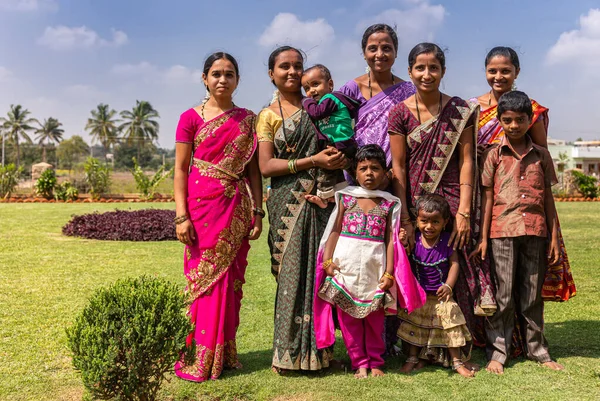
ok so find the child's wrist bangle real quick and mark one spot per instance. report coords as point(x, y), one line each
point(327, 263)
point(388, 275)
point(449, 287)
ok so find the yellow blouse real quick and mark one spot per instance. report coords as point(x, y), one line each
point(267, 124)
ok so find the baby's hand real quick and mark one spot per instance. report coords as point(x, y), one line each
point(403, 237)
point(444, 293)
point(385, 283)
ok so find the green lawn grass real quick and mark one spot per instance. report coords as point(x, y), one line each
point(46, 279)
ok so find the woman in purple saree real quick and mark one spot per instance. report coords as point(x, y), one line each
point(216, 198)
point(432, 138)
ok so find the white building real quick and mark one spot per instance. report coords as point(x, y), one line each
point(582, 155)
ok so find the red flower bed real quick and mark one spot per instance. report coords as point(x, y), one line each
point(123, 225)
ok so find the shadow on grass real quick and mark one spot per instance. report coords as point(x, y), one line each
point(574, 338)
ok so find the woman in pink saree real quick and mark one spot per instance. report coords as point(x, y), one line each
point(218, 202)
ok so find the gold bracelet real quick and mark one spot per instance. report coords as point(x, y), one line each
point(313, 161)
point(388, 275)
point(465, 215)
point(295, 166)
point(450, 288)
point(180, 219)
point(327, 263)
point(292, 166)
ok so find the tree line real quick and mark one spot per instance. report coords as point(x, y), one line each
point(126, 133)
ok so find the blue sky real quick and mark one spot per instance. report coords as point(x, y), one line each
point(61, 58)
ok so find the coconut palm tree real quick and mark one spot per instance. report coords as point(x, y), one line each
point(49, 131)
point(139, 126)
point(102, 126)
point(16, 126)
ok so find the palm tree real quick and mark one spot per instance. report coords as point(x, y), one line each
point(102, 126)
point(16, 126)
point(49, 131)
point(139, 126)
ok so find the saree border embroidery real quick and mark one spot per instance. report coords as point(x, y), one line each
point(444, 151)
point(214, 262)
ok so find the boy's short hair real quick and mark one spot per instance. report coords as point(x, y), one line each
point(324, 70)
point(431, 203)
point(370, 152)
point(516, 101)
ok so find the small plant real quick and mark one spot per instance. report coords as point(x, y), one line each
point(146, 185)
point(124, 225)
point(9, 178)
point(44, 186)
point(97, 177)
point(586, 184)
point(128, 336)
point(65, 191)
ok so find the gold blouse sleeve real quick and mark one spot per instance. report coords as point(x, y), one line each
point(267, 124)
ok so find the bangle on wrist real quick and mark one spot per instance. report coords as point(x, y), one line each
point(465, 215)
point(327, 263)
point(467, 184)
point(180, 219)
point(258, 211)
point(449, 287)
point(313, 161)
point(388, 275)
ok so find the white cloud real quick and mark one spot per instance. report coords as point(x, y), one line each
point(66, 38)
point(413, 25)
point(286, 28)
point(28, 5)
point(5, 74)
point(582, 44)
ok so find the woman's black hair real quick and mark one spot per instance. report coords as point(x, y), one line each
point(385, 28)
point(426, 48)
point(431, 203)
point(370, 152)
point(324, 70)
point(516, 101)
point(503, 51)
point(280, 50)
point(210, 60)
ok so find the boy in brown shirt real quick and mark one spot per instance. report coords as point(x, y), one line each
point(518, 216)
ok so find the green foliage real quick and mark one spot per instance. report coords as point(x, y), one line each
point(586, 184)
point(128, 336)
point(70, 151)
point(66, 191)
point(44, 186)
point(9, 178)
point(147, 185)
point(97, 177)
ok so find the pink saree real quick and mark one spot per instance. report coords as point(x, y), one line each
point(220, 208)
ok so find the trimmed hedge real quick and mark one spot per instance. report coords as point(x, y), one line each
point(124, 225)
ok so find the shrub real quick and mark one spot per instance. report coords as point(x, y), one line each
point(586, 184)
point(124, 225)
point(44, 186)
point(128, 336)
point(9, 178)
point(146, 185)
point(97, 177)
point(65, 191)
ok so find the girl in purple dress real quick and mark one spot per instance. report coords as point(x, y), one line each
point(437, 332)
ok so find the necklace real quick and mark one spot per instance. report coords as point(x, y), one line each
point(371, 89)
point(417, 104)
point(423, 242)
point(202, 109)
point(289, 148)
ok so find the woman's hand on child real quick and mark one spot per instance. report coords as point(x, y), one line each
point(385, 283)
point(444, 293)
point(461, 234)
point(480, 252)
point(330, 159)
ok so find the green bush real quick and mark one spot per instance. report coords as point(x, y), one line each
point(147, 185)
point(44, 186)
point(128, 337)
point(9, 178)
point(97, 177)
point(66, 191)
point(586, 184)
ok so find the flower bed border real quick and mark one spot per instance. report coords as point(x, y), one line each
point(87, 198)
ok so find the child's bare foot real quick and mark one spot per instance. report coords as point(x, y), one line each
point(361, 373)
point(375, 372)
point(411, 363)
point(495, 367)
point(316, 200)
point(553, 365)
point(461, 369)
